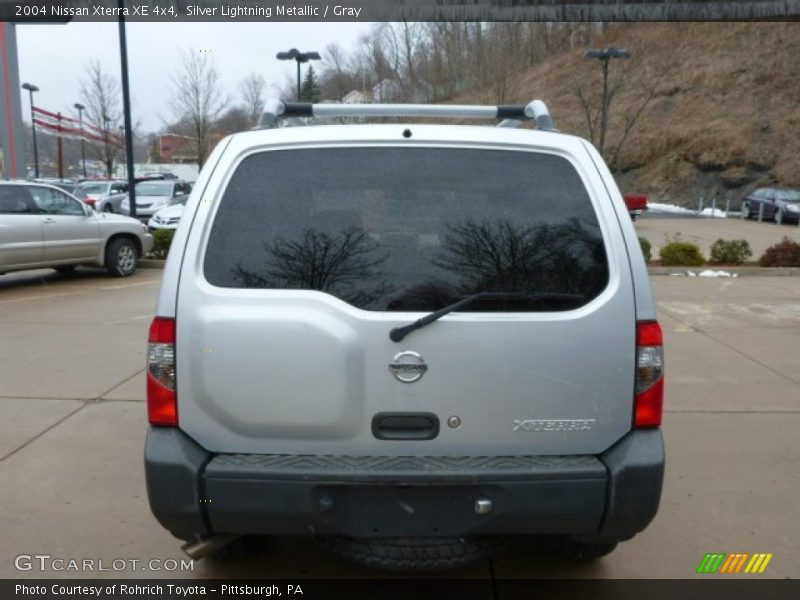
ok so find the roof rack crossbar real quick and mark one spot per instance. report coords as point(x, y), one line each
point(536, 111)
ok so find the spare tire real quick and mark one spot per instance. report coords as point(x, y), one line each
point(430, 554)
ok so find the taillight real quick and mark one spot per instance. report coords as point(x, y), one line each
point(649, 374)
point(162, 401)
point(90, 201)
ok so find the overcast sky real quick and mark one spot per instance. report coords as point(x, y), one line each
point(54, 57)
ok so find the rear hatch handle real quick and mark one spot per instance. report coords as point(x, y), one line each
point(398, 333)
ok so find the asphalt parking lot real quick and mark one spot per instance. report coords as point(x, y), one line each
point(72, 424)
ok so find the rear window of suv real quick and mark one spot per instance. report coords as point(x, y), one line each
point(397, 229)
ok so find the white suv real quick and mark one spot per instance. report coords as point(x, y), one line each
point(410, 341)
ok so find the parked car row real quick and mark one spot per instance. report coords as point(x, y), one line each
point(160, 197)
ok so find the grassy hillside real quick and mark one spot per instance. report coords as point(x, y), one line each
point(724, 118)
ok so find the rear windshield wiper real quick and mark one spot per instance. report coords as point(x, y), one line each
point(398, 333)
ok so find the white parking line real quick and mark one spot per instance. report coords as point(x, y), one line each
point(127, 285)
point(42, 297)
point(47, 295)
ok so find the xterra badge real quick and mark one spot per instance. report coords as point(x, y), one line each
point(554, 424)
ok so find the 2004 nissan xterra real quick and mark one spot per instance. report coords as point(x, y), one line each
point(410, 341)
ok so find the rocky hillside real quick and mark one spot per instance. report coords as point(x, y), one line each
point(724, 115)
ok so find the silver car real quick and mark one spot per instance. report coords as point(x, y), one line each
point(103, 195)
point(42, 226)
point(152, 196)
point(409, 341)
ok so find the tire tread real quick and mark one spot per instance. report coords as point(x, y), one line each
point(427, 554)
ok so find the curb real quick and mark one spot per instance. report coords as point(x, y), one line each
point(740, 271)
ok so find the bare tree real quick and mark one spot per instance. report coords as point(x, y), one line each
point(253, 95)
point(287, 88)
point(100, 94)
point(232, 120)
point(632, 117)
point(505, 57)
point(596, 110)
point(381, 56)
point(408, 36)
point(339, 76)
point(335, 57)
point(590, 112)
point(592, 105)
point(197, 100)
point(440, 60)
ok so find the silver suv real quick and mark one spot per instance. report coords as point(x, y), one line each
point(413, 342)
point(43, 226)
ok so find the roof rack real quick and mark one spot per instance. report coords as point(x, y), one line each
point(510, 115)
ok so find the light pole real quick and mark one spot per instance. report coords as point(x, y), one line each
point(126, 110)
point(81, 108)
point(606, 55)
point(299, 57)
point(124, 153)
point(108, 161)
point(32, 88)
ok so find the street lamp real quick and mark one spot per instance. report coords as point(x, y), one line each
point(32, 88)
point(300, 57)
point(106, 151)
point(124, 153)
point(81, 108)
point(606, 55)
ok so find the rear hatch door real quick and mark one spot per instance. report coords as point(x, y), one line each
point(307, 257)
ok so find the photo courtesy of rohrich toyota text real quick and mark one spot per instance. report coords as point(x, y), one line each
point(167, 590)
point(399, 299)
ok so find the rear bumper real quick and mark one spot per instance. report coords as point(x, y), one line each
point(611, 496)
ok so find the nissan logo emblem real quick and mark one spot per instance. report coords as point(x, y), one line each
point(408, 367)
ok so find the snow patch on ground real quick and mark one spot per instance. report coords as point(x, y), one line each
point(713, 212)
point(669, 208)
point(711, 273)
point(680, 210)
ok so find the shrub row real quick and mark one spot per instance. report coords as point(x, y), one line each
point(680, 253)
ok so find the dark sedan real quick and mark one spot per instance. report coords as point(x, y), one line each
point(782, 206)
